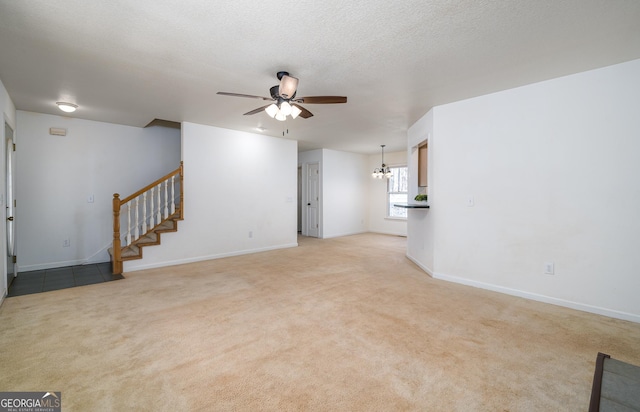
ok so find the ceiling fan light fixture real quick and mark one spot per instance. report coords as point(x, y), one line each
point(285, 108)
point(67, 107)
point(295, 112)
point(272, 110)
point(280, 116)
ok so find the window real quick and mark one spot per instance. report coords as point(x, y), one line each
point(397, 192)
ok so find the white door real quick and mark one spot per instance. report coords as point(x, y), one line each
point(10, 202)
point(299, 199)
point(313, 197)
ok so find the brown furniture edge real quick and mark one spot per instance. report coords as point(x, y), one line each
point(594, 404)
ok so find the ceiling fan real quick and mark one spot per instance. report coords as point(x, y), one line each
point(284, 101)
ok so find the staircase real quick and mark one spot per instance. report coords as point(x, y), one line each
point(145, 215)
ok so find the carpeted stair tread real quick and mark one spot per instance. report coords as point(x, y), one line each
point(166, 226)
point(151, 238)
point(130, 252)
point(170, 224)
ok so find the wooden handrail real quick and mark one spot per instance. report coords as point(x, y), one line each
point(148, 187)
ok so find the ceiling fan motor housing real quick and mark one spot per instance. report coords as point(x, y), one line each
point(274, 91)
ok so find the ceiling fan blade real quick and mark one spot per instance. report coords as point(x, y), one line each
point(258, 110)
point(322, 99)
point(288, 86)
point(304, 113)
point(244, 95)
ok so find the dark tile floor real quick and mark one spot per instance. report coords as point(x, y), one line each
point(61, 278)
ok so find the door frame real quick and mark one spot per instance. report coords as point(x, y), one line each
point(305, 200)
point(4, 285)
point(299, 222)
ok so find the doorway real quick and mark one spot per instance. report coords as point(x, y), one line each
point(10, 204)
point(299, 199)
point(313, 197)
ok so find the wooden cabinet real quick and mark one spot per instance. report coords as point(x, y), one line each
point(422, 164)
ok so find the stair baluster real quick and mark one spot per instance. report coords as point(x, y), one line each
point(152, 222)
point(128, 223)
point(136, 234)
point(166, 200)
point(173, 194)
point(144, 212)
point(159, 213)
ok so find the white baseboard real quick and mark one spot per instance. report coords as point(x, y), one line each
point(343, 234)
point(534, 296)
point(207, 257)
point(389, 233)
point(53, 265)
point(420, 265)
point(101, 256)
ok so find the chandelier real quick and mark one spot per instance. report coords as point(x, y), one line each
point(382, 171)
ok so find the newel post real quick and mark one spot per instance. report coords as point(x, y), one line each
point(116, 260)
point(181, 190)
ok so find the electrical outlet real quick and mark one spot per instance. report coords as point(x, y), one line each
point(66, 243)
point(90, 199)
point(470, 201)
point(548, 268)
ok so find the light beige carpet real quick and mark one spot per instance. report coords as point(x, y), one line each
point(345, 324)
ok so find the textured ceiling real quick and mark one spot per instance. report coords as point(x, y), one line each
point(129, 62)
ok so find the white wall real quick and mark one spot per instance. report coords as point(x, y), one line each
point(553, 169)
point(378, 221)
point(56, 174)
point(345, 193)
point(8, 116)
point(421, 223)
point(235, 183)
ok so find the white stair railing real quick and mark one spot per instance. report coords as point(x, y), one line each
point(145, 210)
point(144, 214)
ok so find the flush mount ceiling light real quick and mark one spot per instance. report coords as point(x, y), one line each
point(382, 171)
point(67, 107)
